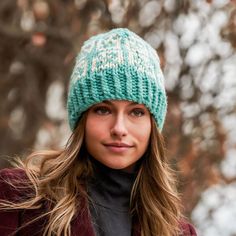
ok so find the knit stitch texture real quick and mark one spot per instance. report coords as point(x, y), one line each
point(116, 65)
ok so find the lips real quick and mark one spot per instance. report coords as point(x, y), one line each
point(118, 147)
point(118, 144)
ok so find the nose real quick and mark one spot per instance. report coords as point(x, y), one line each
point(119, 128)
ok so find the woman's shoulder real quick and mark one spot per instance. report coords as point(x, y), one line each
point(12, 176)
point(12, 173)
point(187, 229)
point(12, 183)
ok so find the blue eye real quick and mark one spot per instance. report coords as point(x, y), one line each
point(138, 112)
point(101, 110)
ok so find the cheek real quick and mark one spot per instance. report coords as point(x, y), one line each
point(147, 134)
point(93, 132)
point(143, 133)
point(89, 133)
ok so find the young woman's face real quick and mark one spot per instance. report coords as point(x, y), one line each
point(117, 133)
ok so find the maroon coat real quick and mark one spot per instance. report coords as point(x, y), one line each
point(12, 220)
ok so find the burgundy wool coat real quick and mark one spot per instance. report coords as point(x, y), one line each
point(10, 221)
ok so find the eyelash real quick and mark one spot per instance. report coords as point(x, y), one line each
point(140, 111)
point(103, 110)
point(99, 110)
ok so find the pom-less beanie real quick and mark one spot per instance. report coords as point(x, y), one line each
point(116, 65)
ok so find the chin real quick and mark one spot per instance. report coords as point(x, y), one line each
point(120, 166)
point(116, 167)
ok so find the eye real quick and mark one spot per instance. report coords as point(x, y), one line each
point(138, 112)
point(102, 110)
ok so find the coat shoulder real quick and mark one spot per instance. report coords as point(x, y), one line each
point(12, 173)
point(187, 229)
point(10, 191)
point(13, 184)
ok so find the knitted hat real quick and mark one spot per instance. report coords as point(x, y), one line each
point(117, 65)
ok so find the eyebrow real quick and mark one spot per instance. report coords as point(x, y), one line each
point(111, 103)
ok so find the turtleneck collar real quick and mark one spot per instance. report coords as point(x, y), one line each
point(110, 188)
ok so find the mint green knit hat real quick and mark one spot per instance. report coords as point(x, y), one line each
point(117, 65)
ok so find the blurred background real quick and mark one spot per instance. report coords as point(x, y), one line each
point(196, 42)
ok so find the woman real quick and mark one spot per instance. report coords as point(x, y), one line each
point(112, 178)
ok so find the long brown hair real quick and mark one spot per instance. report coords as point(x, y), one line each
point(154, 198)
point(60, 178)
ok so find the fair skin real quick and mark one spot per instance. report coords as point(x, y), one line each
point(117, 133)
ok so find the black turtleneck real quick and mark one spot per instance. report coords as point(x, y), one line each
point(109, 190)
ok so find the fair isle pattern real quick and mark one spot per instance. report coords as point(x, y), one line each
point(117, 65)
